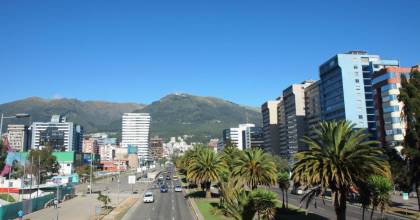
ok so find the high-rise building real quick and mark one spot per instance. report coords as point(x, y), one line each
point(386, 88)
point(135, 132)
point(312, 109)
point(156, 148)
point(346, 88)
point(270, 126)
point(282, 133)
point(58, 134)
point(19, 137)
point(294, 126)
point(244, 136)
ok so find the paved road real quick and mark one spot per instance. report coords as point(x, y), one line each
point(327, 210)
point(167, 206)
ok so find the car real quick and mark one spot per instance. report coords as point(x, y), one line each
point(168, 178)
point(160, 178)
point(148, 197)
point(175, 177)
point(178, 188)
point(164, 189)
point(297, 191)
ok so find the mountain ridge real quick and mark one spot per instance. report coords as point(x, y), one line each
point(175, 114)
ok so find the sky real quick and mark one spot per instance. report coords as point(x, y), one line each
point(139, 51)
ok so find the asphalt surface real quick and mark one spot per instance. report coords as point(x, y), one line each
point(327, 210)
point(167, 206)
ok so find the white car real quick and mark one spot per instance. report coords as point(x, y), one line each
point(178, 188)
point(148, 197)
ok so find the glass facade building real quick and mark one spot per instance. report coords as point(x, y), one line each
point(346, 88)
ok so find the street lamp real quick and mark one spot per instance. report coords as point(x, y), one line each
point(19, 115)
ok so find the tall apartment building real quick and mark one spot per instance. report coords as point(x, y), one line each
point(346, 88)
point(19, 137)
point(386, 88)
point(58, 134)
point(156, 148)
point(293, 126)
point(135, 131)
point(270, 126)
point(242, 136)
point(312, 109)
point(282, 133)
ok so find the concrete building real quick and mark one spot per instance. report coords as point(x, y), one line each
point(58, 134)
point(90, 145)
point(156, 148)
point(107, 152)
point(346, 88)
point(293, 121)
point(213, 144)
point(312, 109)
point(135, 131)
point(19, 137)
point(282, 133)
point(386, 88)
point(244, 136)
point(270, 126)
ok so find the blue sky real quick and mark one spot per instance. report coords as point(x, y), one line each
point(138, 51)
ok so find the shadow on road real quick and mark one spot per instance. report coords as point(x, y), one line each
point(295, 214)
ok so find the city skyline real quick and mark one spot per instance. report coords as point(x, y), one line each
point(197, 48)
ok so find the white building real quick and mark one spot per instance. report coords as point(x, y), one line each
point(58, 134)
point(18, 136)
point(239, 136)
point(135, 132)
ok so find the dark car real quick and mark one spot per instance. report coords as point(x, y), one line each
point(168, 177)
point(164, 189)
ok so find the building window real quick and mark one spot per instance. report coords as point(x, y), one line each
point(357, 81)
point(360, 116)
point(355, 67)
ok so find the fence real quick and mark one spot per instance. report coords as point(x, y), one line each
point(28, 206)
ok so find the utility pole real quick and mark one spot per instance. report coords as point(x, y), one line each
point(91, 169)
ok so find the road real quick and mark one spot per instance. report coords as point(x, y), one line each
point(167, 206)
point(327, 210)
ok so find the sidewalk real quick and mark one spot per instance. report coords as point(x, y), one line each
point(80, 208)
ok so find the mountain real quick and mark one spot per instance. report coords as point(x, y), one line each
point(95, 116)
point(173, 115)
point(202, 117)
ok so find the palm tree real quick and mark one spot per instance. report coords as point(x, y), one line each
point(380, 188)
point(337, 159)
point(284, 184)
point(205, 167)
point(264, 203)
point(256, 168)
point(230, 152)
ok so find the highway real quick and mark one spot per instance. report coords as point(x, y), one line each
point(167, 206)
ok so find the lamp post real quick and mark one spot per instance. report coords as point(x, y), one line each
point(19, 115)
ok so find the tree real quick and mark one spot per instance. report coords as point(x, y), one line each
point(284, 184)
point(264, 203)
point(43, 162)
point(256, 168)
point(229, 154)
point(380, 193)
point(83, 172)
point(104, 199)
point(3, 155)
point(205, 167)
point(282, 165)
point(410, 96)
point(337, 159)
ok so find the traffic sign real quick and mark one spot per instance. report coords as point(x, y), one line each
point(131, 179)
point(405, 196)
